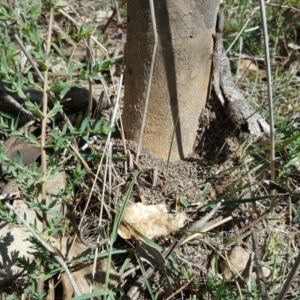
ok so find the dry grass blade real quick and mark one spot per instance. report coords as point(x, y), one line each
point(78, 24)
point(260, 275)
point(106, 147)
point(242, 30)
point(206, 229)
point(270, 97)
point(45, 109)
point(249, 276)
point(91, 59)
point(101, 212)
point(153, 22)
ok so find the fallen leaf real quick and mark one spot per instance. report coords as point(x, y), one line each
point(293, 46)
point(246, 65)
point(237, 263)
point(29, 152)
point(149, 220)
point(79, 52)
point(14, 238)
point(82, 272)
point(238, 259)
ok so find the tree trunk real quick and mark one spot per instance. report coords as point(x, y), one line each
point(181, 77)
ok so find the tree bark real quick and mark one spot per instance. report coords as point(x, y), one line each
point(182, 72)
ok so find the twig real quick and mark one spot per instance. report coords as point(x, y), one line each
point(235, 273)
point(25, 115)
point(113, 14)
point(249, 276)
point(44, 131)
point(197, 226)
point(134, 290)
point(250, 225)
point(270, 97)
point(236, 106)
point(261, 280)
point(283, 6)
point(91, 60)
point(184, 286)
point(206, 229)
point(49, 248)
point(28, 57)
point(238, 240)
point(45, 108)
point(254, 208)
point(289, 279)
point(200, 223)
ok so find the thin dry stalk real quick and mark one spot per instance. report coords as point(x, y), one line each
point(242, 30)
point(29, 57)
point(234, 271)
point(248, 283)
point(117, 7)
point(270, 97)
point(253, 204)
point(287, 284)
point(109, 151)
point(196, 226)
point(121, 122)
point(183, 287)
point(91, 59)
point(153, 19)
point(105, 150)
point(103, 49)
point(261, 280)
point(45, 111)
point(193, 236)
point(44, 131)
point(248, 226)
point(279, 5)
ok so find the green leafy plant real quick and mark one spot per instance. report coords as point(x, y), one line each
point(23, 22)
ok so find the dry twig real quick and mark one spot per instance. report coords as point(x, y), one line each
point(261, 280)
